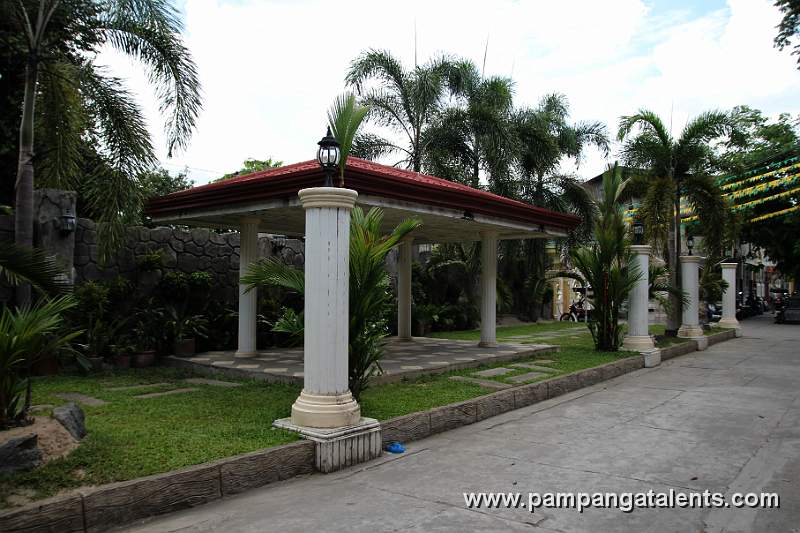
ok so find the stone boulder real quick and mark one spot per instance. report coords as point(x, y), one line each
point(72, 418)
point(20, 453)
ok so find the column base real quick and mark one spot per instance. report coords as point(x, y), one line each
point(487, 344)
point(244, 355)
point(325, 410)
point(337, 448)
point(405, 339)
point(729, 323)
point(638, 343)
point(690, 331)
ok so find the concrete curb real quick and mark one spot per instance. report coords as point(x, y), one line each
point(109, 506)
point(691, 346)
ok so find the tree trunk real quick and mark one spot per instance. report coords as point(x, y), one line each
point(23, 201)
point(674, 251)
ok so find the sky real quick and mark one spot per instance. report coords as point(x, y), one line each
point(270, 69)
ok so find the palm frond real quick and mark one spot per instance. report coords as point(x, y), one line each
point(149, 30)
point(344, 118)
point(21, 264)
point(272, 272)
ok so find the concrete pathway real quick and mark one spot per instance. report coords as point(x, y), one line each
point(423, 355)
point(726, 420)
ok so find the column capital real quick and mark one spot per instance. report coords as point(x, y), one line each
point(729, 265)
point(640, 249)
point(327, 197)
point(690, 258)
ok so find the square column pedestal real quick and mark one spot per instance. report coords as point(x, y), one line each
point(326, 411)
point(690, 324)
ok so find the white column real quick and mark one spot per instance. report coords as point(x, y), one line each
point(638, 337)
point(248, 254)
point(326, 401)
point(728, 319)
point(690, 326)
point(404, 290)
point(488, 289)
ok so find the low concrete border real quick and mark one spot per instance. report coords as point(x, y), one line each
point(108, 506)
point(691, 345)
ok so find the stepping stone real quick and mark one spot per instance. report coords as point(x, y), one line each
point(492, 372)
point(530, 366)
point(464, 358)
point(411, 367)
point(298, 374)
point(165, 393)
point(275, 370)
point(489, 384)
point(214, 382)
point(80, 398)
point(522, 378)
point(544, 361)
point(137, 387)
point(42, 407)
point(247, 367)
point(199, 359)
point(222, 363)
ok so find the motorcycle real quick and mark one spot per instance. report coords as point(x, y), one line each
point(577, 312)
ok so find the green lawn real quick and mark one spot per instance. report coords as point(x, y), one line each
point(130, 437)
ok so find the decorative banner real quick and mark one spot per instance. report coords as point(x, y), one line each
point(775, 173)
point(776, 214)
point(760, 169)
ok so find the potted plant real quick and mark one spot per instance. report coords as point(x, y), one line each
point(185, 328)
point(147, 333)
point(122, 355)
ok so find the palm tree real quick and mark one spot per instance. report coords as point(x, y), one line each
point(675, 168)
point(606, 265)
point(472, 135)
point(404, 100)
point(344, 118)
point(78, 101)
point(543, 137)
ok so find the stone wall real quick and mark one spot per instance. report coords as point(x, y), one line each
point(186, 250)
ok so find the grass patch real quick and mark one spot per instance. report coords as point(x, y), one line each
point(129, 437)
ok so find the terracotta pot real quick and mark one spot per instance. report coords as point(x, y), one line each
point(185, 347)
point(143, 359)
point(122, 361)
point(96, 363)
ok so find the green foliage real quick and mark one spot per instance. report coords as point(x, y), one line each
point(155, 183)
point(21, 264)
point(402, 100)
point(252, 165)
point(606, 266)
point(26, 334)
point(789, 28)
point(369, 291)
point(345, 117)
point(91, 134)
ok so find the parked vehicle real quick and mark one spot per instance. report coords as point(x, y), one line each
point(577, 310)
point(713, 312)
point(789, 311)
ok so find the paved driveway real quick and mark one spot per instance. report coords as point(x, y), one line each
point(725, 420)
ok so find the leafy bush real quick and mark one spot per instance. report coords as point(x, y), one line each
point(27, 334)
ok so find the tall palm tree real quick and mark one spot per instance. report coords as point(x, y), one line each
point(672, 169)
point(543, 138)
point(403, 100)
point(78, 100)
point(473, 134)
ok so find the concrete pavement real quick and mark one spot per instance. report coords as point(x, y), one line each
point(727, 420)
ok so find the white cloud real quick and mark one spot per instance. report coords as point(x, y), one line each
point(270, 69)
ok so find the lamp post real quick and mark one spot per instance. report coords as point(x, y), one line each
point(328, 156)
point(690, 243)
point(638, 335)
point(638, 232)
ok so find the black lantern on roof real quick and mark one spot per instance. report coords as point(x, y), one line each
point(638, 231)
point(328, 156)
